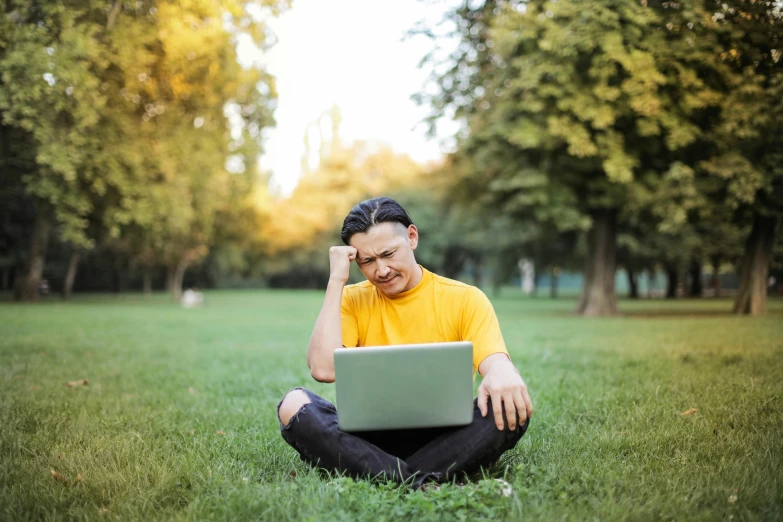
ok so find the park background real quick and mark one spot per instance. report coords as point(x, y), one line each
point(631, 151)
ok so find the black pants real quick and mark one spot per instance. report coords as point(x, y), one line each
point(411, 456)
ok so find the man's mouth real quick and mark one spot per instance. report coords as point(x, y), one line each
point(385, 281)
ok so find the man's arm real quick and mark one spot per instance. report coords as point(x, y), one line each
point(502, 382)
point(327, 333)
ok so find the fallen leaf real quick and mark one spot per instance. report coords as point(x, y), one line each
point(34, 387)
point(190, 389)
point(293, 473)
point(192, 432)
point(43, 354)
point(689, 412)
point(18, 377)
point(220, 433)
point(80, 382)
point(79, 478)
point(103, 510)
point(57, 476)
point(733, 498)
point(59, 457)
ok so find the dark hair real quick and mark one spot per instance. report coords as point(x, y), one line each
point(372, 212)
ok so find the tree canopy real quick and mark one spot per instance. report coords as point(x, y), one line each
point(576, 112)
point(138, 116)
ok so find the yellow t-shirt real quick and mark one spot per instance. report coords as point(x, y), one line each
point(435, 310)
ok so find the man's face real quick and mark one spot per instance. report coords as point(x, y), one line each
point(385, 256)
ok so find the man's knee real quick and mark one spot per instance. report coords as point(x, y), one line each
point(291, 404)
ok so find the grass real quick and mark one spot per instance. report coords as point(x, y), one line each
point(178, 423)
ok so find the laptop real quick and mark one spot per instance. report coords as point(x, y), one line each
point(404, 386)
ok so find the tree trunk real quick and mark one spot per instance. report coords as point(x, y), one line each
point(672, 280)
point(170, 278)
point(752, 294)
point(715, 279)
point(650, 282)
point(598, 297)
point(179, 274)
point(27, 289)
point(5, 278)
point(555, 279)
point(147, 281)
point(695, 271)
point(113, 13)
point(70, 275)
point(633, 284)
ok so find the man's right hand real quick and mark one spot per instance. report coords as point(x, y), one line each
point(340, 258)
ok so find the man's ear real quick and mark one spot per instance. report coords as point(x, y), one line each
point(413, 236)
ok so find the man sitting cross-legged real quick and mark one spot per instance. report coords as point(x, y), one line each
point(403, 303)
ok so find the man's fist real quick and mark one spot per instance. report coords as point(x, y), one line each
point(340, 258)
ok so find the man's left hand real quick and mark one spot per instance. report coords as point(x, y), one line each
point(503, 384)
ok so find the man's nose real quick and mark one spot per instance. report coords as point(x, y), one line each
point(383, 269)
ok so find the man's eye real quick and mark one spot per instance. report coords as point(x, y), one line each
point(388, 254)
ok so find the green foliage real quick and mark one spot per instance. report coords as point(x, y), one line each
point(584, 99)
point(669, 112)
point(50, 69)
point(140, 116)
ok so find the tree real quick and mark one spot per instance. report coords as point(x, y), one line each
point(138, 115)
point(588, 108)
point(50, 65)
point(201, 114)
point(17, 160)
point(750, 164)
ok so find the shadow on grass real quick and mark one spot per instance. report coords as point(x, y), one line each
point(675, 309)
point(680, 314)
point(655, 314)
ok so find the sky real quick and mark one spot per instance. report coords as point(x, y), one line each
point(350, 53)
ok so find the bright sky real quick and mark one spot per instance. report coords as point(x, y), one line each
point(349, 53)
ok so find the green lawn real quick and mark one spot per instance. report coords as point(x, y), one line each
point(177, 420)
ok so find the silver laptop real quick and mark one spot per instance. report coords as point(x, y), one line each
point(404, 386)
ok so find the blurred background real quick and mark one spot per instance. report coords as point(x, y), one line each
point(591, 148)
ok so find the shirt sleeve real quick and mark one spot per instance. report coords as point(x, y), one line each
point(350, 326)
point(480, 326)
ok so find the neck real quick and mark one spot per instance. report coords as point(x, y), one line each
point(416, 279)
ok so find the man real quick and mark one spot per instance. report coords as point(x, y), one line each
point(403, 303)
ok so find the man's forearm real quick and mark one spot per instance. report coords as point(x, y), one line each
point(494, 359)
point(327, 334)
